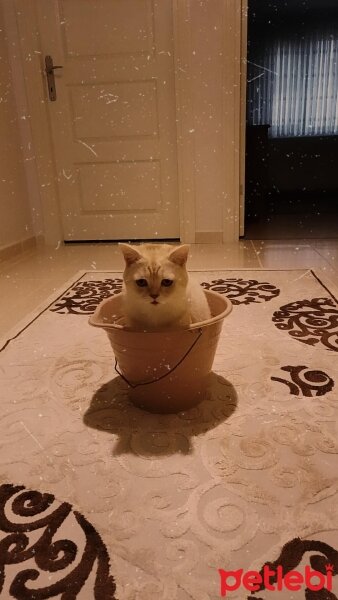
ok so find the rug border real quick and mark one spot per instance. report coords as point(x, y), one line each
point(21, 325)
point(24, 323)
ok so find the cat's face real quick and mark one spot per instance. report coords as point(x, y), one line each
point(155, 274)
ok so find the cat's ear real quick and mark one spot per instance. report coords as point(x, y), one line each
point(179, 255)
point(131, 255)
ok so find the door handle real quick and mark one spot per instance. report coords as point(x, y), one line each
point(50, 77)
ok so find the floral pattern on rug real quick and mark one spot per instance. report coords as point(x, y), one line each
point(321, 557)
point(310, 321)
point(43, 538)
point(305, 381)
point(84, 296)
point(241, 291)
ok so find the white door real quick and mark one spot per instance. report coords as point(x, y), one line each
point(113, 123)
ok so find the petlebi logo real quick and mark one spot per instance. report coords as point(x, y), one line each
point(275, 580)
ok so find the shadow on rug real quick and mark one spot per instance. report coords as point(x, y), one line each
point(110, 410)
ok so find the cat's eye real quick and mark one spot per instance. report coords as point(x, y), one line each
point(167, 282)
point(141, 282)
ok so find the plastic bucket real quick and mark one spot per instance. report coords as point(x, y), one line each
point(166, 371)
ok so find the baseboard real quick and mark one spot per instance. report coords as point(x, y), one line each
point(18, 248)
point(208, 237)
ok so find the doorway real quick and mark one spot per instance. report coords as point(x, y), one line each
point(113, 118)
point(292, 120)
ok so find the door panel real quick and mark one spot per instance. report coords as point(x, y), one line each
point(97, 110)
point(124, 26)
point(114, 121)
point(108, 189)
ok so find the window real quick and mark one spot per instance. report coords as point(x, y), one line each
point(293, 85)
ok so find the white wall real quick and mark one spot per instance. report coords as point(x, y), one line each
point(15, 217)
point(206, 76)
point(215, 86)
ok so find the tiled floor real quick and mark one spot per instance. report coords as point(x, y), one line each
point(294, 227)
point(27, 281)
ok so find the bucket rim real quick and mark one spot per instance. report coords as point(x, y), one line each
point(95, 321)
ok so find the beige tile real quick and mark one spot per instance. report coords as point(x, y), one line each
point(9, 252)
point(293, 226)
point(29, 244)
point(222, 256)
point(328, 249)
point(289, 255)
point(15, 251)
point(11, 262)
point(20, 298)
point(67, 257)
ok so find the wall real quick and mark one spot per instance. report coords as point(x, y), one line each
point(206, 69)
point(215, 86)
point(15, 217)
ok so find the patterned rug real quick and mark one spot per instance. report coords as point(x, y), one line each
point(100, 500)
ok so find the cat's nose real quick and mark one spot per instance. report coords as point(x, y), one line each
point(154, 296)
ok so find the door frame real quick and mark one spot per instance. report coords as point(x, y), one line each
point(242, 143)
point(36, 91)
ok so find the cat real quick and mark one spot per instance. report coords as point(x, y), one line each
point(158, 293)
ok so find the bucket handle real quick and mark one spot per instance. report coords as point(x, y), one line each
point(135, 385)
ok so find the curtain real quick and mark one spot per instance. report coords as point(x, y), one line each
point(293, 85)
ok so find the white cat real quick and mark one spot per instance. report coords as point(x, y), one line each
point(158, 292)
